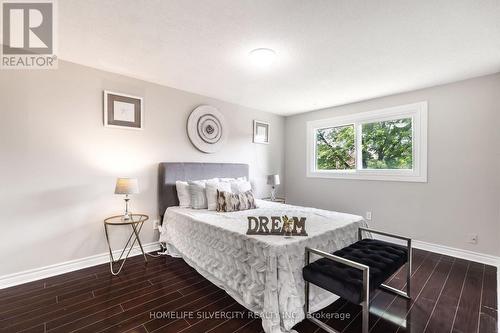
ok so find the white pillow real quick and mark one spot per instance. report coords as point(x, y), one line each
point(240, 186)
point(211, 191)
point(198, 194)
point(232, 179)
point(183, 193)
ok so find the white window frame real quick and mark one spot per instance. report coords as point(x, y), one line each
point(416, 111)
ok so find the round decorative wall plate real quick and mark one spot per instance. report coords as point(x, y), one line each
point(206, 129)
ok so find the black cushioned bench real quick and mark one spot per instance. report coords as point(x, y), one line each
point(357, 269)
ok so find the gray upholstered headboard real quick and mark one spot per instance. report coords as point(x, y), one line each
point(169, 173)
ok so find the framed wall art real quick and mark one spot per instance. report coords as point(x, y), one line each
point(123, 111)
point(260, 132)
point(206, 129)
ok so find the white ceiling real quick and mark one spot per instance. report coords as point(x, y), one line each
point(330, 52)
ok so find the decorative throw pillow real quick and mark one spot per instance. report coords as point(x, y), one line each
point(231, 202)
point(183, 193)
point(198, 194)
point(211, 190)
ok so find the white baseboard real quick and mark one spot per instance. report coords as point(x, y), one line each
point(68, 266)
point(449, 251)
point(458, 253)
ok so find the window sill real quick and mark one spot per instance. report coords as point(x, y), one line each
point(356, 175)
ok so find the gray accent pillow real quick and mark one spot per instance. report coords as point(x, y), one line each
point(231, 202)
point(198, 195)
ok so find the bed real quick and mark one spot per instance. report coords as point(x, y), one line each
point(263, 273)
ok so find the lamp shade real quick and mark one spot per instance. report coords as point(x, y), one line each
point(273, 180)
point(127, 186)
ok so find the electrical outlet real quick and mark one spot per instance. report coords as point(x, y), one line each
point(156, 224)
point(369, 216)
point(473, 238)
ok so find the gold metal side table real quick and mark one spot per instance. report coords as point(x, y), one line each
point(136, 222)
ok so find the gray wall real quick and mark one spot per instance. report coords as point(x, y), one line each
point(58, 163)
point(462, 196)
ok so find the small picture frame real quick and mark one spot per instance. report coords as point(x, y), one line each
point(260, 132)
point(123, 111)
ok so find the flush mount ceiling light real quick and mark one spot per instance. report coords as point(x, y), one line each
point(262, 57)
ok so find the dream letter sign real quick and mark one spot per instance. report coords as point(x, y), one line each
point(276, 225)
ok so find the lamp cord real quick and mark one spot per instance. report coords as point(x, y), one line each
point(159, 253)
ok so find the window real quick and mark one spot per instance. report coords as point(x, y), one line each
point(335, 148)
point(389, 144)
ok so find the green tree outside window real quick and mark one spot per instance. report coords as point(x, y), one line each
point(335, 148)
point(385, 145)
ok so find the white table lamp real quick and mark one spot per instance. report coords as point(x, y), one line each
point(274, 181)
point(126, 186)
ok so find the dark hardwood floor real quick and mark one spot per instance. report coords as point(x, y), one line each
point(449, 295)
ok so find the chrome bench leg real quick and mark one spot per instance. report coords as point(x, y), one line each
point(311, 318)
point(365, 312)
point(393, 290)
point(365, 305)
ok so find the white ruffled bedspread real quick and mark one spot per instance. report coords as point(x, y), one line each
point(263, 273)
